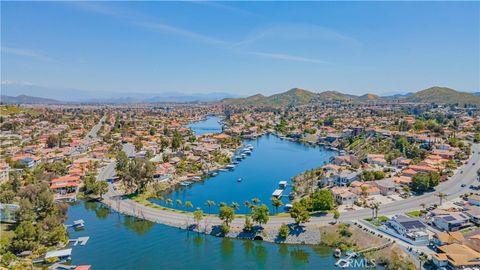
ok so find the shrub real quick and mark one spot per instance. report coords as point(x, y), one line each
point(284, 231)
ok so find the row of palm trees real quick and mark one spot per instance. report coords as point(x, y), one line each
point(276, 203)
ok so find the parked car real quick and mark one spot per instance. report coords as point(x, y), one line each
point(462, 185)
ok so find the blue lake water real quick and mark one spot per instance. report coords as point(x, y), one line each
point(209, 125)
point(121, 242)
point(271, 161)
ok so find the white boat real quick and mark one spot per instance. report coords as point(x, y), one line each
point(337, 253)
point(239, 180)
point(197, 178)
point(230, 166)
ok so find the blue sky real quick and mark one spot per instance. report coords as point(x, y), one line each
point(241, 47)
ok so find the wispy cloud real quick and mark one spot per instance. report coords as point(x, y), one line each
point(181, 32)
point(8, 82)
point(25, 53)
point(288, 57)
point(245, 46)
point(226, 7)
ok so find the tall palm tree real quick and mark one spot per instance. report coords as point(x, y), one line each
point(255, 201)
point(441, 196)
point(422, 259)
point(169, 201)
point(247, 205)
point(210, 204)
point(188, 204)
point(178, 202)
point(235, 206)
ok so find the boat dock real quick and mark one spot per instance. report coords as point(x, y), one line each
point(77, 224)
point(81, 240)
point(277, 193)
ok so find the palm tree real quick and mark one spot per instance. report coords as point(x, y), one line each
point(235, 206)
point(441, 196)
point(276, 203)
point(169, 201)
point(210, 204)
point(178, 202)
point(247, 205)
point(188, 204)
point(160, 198)
point(376, 206)
point(422, 259)
point(255, 201)
point(221, 204)
point(372, 207)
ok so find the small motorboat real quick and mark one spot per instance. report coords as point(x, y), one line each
point(213, 173)
point(337, 253)
point(239, 180)
point(230, 166)
point(197, 178)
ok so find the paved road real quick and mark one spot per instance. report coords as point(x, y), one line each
point(92, 134)
point(451, 187)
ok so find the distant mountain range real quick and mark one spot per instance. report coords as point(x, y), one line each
point(24, 99)
point(32, 94)
point(297, 96)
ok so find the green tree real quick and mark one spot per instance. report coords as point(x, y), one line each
point(336, 215)
point(260, 214)
point(322, 200)
point(248, 226)
point(138, 144)
point(25, 237)
point(198, 216)
point(227, 214)
point(276, 204)
point(101, 187)
point(299, 213)
point(283, 231)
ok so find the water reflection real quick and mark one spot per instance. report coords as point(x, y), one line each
point(300, 255)
point(139, 226)
point(101, 211)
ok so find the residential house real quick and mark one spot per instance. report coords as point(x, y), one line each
point(342, 195)
point(412, 230)
point(447, 238)
point(386, 186)
point(456, 256)
point(451, 221)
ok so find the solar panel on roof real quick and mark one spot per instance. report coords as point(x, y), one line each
point(448, 218)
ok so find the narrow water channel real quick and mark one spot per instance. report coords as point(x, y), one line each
point(257, 176)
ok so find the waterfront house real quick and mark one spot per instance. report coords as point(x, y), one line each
point(342, 195)
point(345, 177)
point(409, 229)
point(65, 184)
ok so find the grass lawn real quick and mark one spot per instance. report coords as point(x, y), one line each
point(378, 221)
point(417, 213)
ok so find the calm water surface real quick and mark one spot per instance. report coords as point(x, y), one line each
point(121, 242)
point(271, 161)
point(209, 125)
